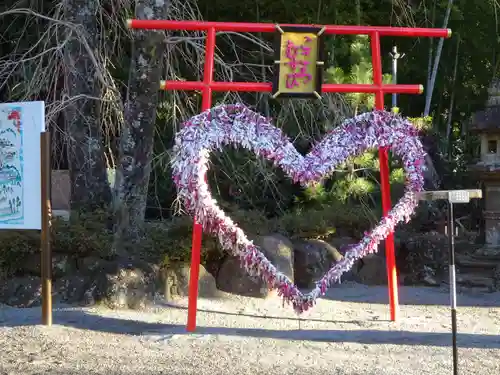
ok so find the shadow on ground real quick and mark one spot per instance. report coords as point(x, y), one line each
point(352, 292)
point(275, 317)
point(79, 319)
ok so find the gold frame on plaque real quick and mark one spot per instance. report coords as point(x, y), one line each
point(302, 78)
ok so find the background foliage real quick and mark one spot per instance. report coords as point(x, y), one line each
point(34, 38)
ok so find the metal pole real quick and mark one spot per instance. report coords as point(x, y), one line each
point(452, 196)
point(46, 251)
point(395, 57)
point(453, 286)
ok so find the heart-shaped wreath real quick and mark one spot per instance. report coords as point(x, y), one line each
point(237, 125)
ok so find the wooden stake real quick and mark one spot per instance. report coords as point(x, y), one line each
point(46, 251)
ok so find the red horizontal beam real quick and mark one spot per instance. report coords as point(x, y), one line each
point(362, 88)
point(267, 87)
point(269, 27)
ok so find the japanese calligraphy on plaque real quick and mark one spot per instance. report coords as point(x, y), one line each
point(299, 62)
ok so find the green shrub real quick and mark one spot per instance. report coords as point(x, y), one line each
point(14, 246)
point(323, 221)
point(83, 235)
point(170, 240)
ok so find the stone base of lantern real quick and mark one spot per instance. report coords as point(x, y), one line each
point(490, 228)
point(491, 247)
point(488, 252)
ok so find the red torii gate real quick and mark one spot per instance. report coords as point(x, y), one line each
point(208, 85)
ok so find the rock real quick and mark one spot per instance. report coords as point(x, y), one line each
point(428, 277)
point(88, 285)
point(127, 288)
point(372, 270)
point(71, 288)
point(341, 243)
point(131, 285)
point(468, 261)
point(475, 280)
point(213, 262)
point(4, 274)
point(488, 252)
point(21, 291)
point(232, 278)
point(175, 280)
point(117, 283)
point(92, 264)
point(312, 258)
point(496, 278)
point(423, 256)
point(400, 238)
point(62, 264)
point(279, 250)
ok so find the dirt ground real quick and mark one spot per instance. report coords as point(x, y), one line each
point(347, 333)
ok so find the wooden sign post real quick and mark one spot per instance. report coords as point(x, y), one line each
point(45, 233)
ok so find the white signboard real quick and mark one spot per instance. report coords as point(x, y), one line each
point(20, 177)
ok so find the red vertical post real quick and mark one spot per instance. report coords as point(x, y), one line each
point(384, 180)
point(206, 103)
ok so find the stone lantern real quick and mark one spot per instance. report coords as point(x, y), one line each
point(486, 124)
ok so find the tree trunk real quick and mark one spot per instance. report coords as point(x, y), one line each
point(449, 120)
point(136, 144)
point(89, 182)
point(431, 47)
point(431, 177)
point(437, 59)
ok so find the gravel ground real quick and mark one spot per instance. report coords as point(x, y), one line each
point(347, 333)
